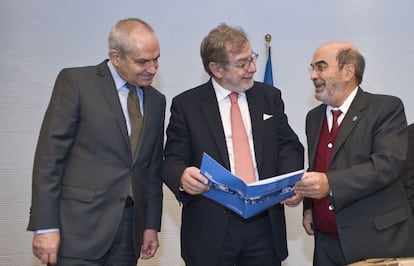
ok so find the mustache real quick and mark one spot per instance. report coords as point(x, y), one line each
point(318, 82)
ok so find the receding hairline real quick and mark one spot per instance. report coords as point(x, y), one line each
point(133, 24)
point(337, 46)
point(123, 31)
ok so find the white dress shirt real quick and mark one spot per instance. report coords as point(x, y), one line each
point(224, 104)
point(344, 109)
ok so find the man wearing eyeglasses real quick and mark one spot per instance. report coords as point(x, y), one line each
point(355, 203)
point(201, 121)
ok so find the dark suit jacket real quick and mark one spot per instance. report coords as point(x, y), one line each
point(372, 213)
point(195, 127)
point(409, 182)
point(83, 163)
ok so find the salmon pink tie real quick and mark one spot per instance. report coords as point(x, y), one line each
point(243, 159)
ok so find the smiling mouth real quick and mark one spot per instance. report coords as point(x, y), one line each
point(318, 84)
point(147, 77)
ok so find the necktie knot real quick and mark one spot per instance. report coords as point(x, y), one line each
point(130, 87)
point(335, 115)
point(234, 96)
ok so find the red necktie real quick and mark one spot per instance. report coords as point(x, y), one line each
point(335, 115)
point(243, 159)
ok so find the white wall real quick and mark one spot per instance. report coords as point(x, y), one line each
point(41, 37)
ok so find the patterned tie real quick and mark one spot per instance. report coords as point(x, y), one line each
point(335, 115)
point(241, 150)
point(135, 117)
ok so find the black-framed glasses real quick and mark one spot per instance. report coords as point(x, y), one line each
point(246, 65)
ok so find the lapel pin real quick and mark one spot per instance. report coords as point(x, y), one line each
point(354, 118)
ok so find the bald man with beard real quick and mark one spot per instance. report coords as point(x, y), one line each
point(355, 203)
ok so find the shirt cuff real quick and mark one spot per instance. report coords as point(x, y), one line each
point(42, 231)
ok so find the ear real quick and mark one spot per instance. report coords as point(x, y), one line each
point(114, 57)
point(216, 69)
point(349, 71)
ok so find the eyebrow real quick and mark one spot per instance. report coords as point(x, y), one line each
point(243, 59)
point(321, 62)
point(146, 60)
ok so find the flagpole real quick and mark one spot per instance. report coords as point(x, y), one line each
point(268, 38)
point(268, 75)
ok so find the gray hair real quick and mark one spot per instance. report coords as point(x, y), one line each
point(119, 36)
point(213, 46)
point(352, 56)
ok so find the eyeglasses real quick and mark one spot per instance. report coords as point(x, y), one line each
point(246, 65)
point(318, 68)
point(321, 67)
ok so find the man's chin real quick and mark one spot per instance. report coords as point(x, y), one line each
point(319, 90)
point(248, 84)
point(319, 95)
point(144, 83)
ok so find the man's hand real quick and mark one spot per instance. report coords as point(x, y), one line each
point(307, 222)
point(150, 244)
point(193, 182)
point(46, 246)
point(293, 201)
point(312, 185)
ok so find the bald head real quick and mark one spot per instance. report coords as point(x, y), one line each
point(338, 45)
point(128, 33)
point(343, 53)
point(337, 69)
point(134, 51)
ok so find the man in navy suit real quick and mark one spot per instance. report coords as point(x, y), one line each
point(355, 202)
point(96, 195)
point(200, 122)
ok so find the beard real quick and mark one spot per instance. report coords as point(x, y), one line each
point(328, 93)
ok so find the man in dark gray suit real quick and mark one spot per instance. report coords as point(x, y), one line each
point(409, 182)
point(97, 196)
point(201, 122)
point(355, 201)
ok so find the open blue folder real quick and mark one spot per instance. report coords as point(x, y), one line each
point(244, 199)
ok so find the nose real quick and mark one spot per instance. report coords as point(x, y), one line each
point(252, 67)
point(151, 66)
point(313, 74)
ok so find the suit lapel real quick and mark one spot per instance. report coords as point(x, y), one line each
point(351, 119)
point(256, 117)
point(210, 111)
point(107, 86)
point(150, 110)
point(314, 131)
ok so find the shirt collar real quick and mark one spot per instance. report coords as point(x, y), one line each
point(347, 103)
point(221, 92)
point(119, 81)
